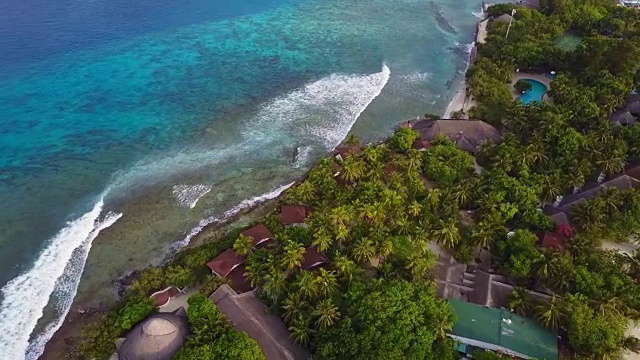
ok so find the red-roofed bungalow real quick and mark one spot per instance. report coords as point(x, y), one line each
point(343, 151)
point(259, 233)
point(422, 145)
point(222, 264)
point(313, 259)
point(293, 215)
point(551, 240)
point(238, 281)
point(161, 298)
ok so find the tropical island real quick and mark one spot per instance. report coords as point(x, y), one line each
point(420, 247)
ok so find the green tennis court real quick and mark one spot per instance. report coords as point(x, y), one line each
point(568, 42)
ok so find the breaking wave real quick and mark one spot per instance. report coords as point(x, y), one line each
point(302, 155)
point(188, 195)
point(56, 272)
point(324, 110)
point(219, 219)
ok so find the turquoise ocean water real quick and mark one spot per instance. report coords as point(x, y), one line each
point(126, 127)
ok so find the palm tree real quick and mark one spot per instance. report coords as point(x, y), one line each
point(294, 307)
point(372, 154)
point(442, 324)
point(243, 245)
point(305, 192)
point(345, 267)
point(363, 250)
point(326, 282)
point(632, 265)
point(463, 192)
point(374, 212)
point(306, 284)
point(274, 283)
point(326, 313)
point(300, 331)
point(293, 255)
point(340, 216)
point(420, 264)
point(550, 313)
point(611, 164)
point(403, 226)
point(414, 208)
point(519, 301)
point(254, 273)
point(542, 264)
point(447, 233)
point(322, 241)
point(414, 159)
point(352, 169)
point(384, 249)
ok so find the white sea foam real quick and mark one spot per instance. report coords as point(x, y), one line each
point(245, 204)
point(57, 269)
point(67, 286)
point(416, 78)
point(302, 155)
point(324, 110)
point(188, 195)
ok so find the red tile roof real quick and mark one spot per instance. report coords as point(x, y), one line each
point(258, 233)
point(551, 240)
point(422, 144)
point(238, 281)
point(313, 258)
point(293, 214)
point(225, 262)
point(346, 150)
point(163, 297)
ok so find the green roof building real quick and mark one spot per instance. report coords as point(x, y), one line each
point(502, 331)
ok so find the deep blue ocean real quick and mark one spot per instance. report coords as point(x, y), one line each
point(126, 126)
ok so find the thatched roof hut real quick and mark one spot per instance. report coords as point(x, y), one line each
point(159, 337)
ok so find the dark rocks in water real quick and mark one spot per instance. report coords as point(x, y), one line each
point(296, 153)
point(441, 20)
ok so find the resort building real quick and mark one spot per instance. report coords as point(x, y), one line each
point(501, 331)
point(343, 151)
point(560, 214)
point(222, 264)
point(313, 259)
point(504, 18)
point(163, 297)
point(293, 215)
point(551, 240)
point(458, 281)
point(422, 145)
point(466, 134)
point(159, 337)
point(248, 314)
point(259, 233)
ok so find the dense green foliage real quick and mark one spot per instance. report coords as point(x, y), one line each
point(395, 321)
point(212, 337)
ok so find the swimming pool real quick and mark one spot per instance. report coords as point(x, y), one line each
point(535, 94)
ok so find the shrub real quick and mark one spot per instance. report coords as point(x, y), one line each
point(522, 86)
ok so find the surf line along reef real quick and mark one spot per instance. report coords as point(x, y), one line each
point(530, 197)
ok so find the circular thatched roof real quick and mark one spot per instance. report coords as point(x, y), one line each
point(159, 337)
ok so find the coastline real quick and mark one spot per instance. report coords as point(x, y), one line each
point(59, 346)
point(463, 101)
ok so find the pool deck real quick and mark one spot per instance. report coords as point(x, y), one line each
point(538, 77)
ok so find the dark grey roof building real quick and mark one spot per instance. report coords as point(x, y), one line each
point(246, 313)
point(466, 134)
point(159, 337)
